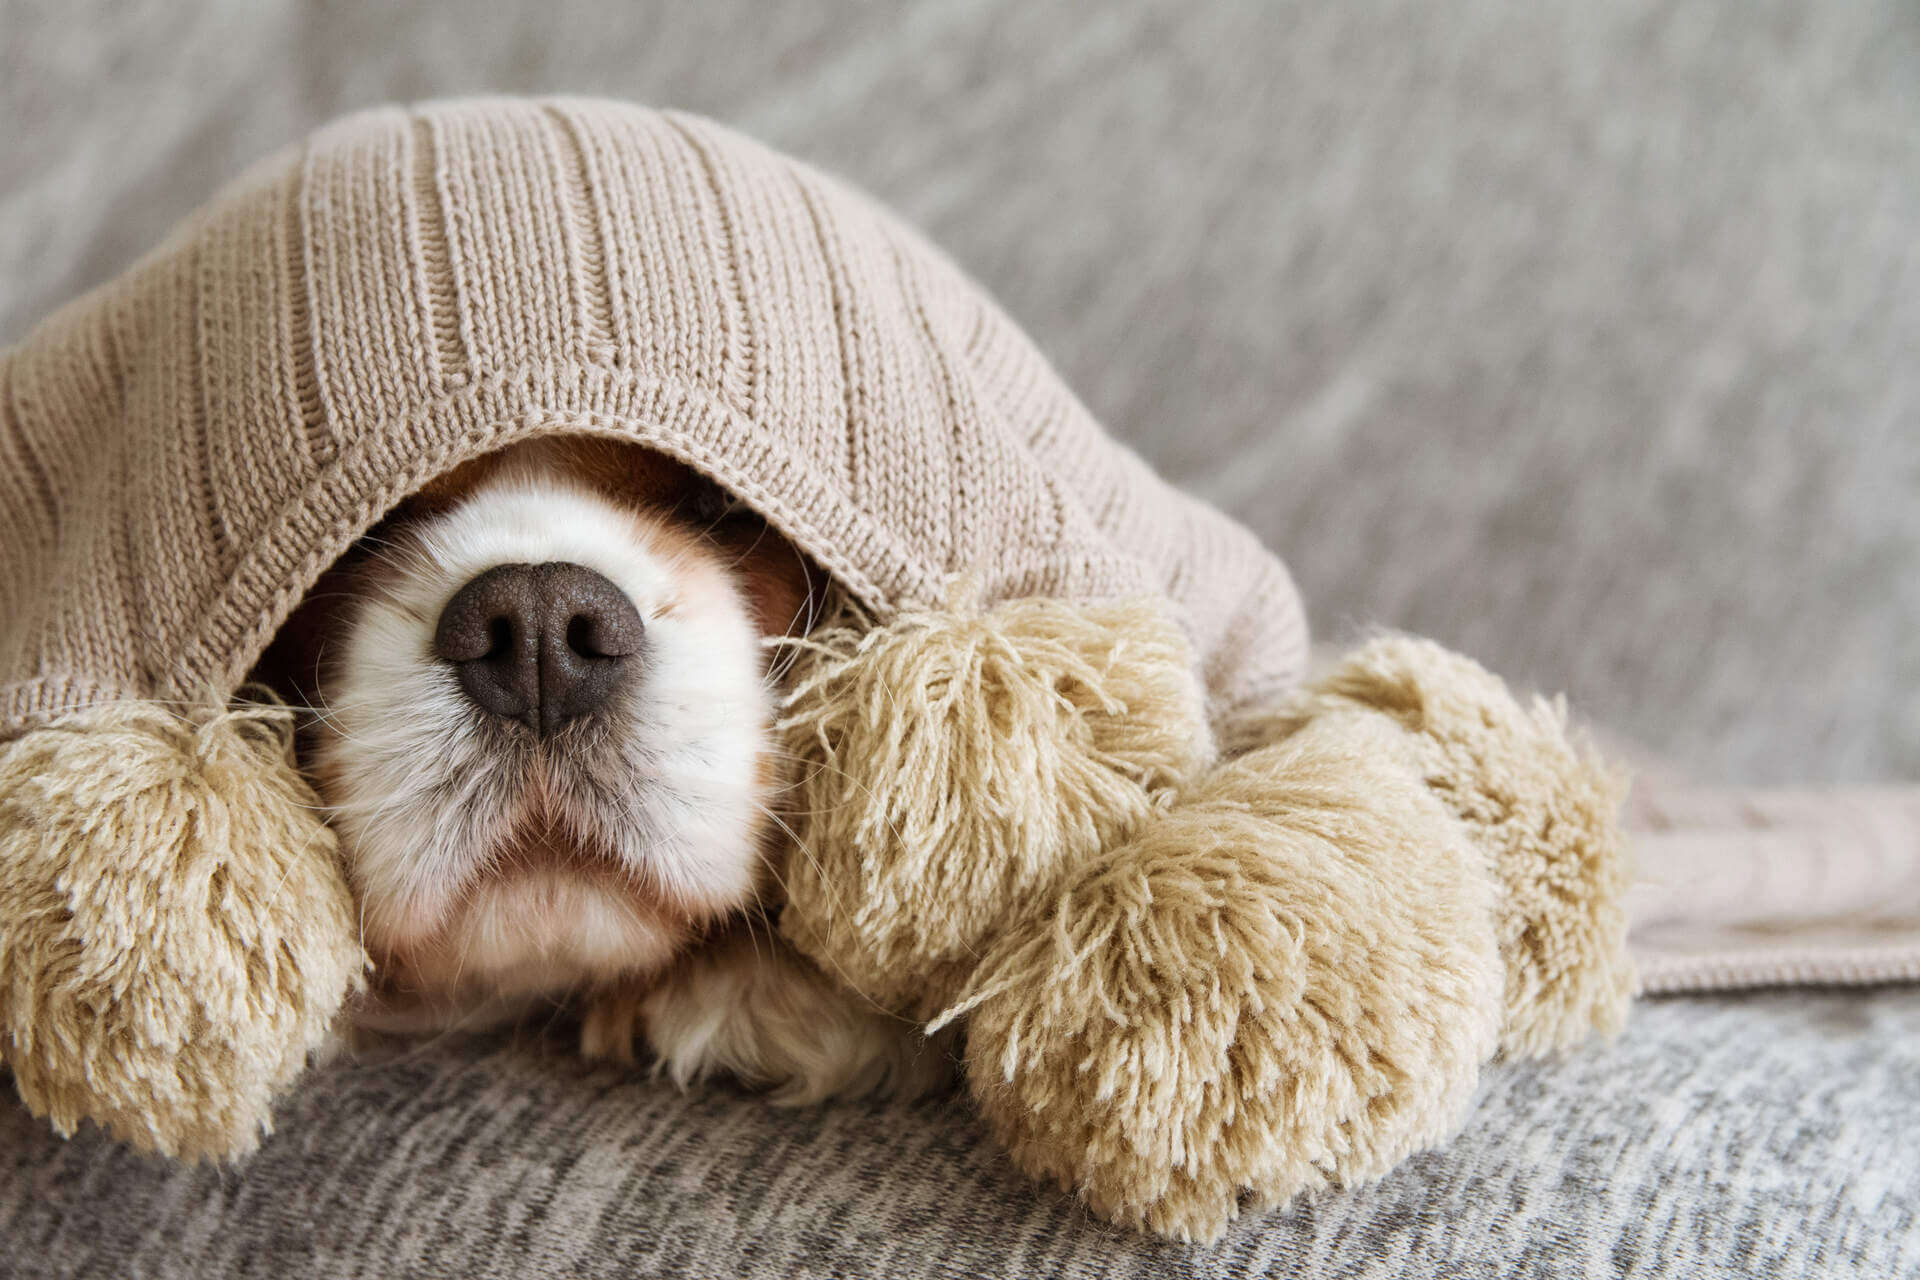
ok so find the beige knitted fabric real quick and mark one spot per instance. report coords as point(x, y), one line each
point(1741, 888)
point(183, 450)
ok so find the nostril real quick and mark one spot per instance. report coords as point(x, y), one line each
point(580, 629)
point(488, 616)
point(604, 630)
point(499, 637)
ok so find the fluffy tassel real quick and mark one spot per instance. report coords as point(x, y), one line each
point(1541, 804)
point(1190, 991)
point(1288, 979)
point(955, 762)
point(175, 933)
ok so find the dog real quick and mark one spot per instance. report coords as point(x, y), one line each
point(541, 697)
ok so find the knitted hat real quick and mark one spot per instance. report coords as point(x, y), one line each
point(184, 450)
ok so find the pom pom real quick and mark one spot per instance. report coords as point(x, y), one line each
point(1544, 807)
point(175, 933)
point(1288, 979)
point(953, 763)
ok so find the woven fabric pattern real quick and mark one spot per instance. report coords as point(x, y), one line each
point(182, 451)
point(1729, 1138)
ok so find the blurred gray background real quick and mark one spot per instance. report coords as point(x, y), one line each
point(1584, 337)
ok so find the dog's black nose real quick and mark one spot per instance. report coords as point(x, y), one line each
point(539, 643)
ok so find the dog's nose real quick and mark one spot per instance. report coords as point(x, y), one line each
point(539, 643)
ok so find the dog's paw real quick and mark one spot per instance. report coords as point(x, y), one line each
point(612, 1024)
point(747, 1006)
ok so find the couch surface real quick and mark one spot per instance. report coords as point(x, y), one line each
point(1745, 1136)
point(1578, 336)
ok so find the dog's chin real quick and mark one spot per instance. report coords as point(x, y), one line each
point(529, 932)
point(540, 919)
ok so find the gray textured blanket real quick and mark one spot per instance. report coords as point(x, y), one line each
point(1737, 1137)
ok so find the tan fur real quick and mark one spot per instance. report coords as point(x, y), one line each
point(746, 1005)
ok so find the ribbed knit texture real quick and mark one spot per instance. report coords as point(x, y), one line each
point(185, 449)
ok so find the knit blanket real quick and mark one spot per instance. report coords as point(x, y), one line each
point(185, 449)
point(1744, 888)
